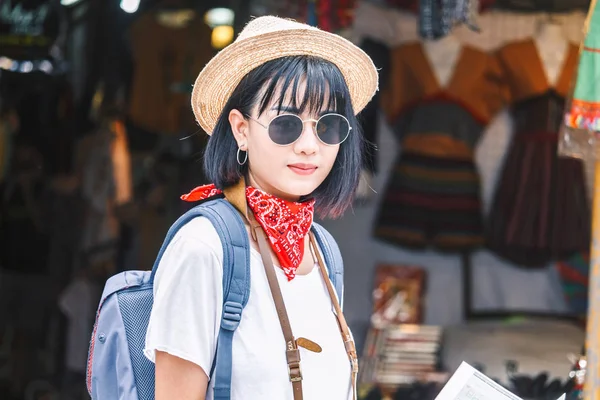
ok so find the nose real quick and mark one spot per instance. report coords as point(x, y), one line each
point(308, 143)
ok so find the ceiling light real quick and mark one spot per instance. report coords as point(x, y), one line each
point(219, 17)
point(130, 6)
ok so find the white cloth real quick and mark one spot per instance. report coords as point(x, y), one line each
point(78, 302)
point(186, 315)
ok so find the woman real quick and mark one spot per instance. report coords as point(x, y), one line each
point(280, 105)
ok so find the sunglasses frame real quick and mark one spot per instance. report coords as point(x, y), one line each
point(316, 121)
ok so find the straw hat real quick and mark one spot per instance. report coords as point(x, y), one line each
point(268, 38)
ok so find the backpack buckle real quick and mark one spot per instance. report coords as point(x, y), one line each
point(232, 315)
point(295, 372)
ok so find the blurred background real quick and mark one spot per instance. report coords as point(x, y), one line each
point(468, 239)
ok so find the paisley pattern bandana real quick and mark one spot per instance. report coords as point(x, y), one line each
point(286, 223)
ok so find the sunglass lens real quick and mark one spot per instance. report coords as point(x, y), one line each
point(333, 129)
point(285, 129)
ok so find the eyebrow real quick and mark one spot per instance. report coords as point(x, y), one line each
point(296, 111)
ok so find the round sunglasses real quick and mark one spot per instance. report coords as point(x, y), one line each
point(332, 129)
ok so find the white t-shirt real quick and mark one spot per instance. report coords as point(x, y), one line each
point(186, 316)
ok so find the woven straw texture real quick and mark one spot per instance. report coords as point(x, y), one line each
point(268, 38)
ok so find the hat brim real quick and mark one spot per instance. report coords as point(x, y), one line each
point(223, 73)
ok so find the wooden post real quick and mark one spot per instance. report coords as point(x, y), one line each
point(592, 379)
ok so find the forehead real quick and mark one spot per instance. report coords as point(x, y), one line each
point(303, 94)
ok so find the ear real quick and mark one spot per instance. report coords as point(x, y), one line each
point(239, 127)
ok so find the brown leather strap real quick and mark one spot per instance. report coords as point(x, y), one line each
point(348, 342)
point(292, 352)
point(236, 195)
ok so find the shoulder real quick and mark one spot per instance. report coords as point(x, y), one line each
point(195, 249)
point(200, 230)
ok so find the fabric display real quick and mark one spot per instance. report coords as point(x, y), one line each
point(540, 211)
point(413, 5)
point(328, 15)
point(166, 61)
point(332, 15)
point(555, 6)
point(437, 19)
point(29, 28)
point(78, 302)
point(584, 111)
point(432, 196)
point(104, 166)
point(575, 275)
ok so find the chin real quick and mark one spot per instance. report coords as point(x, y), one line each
point(296, 189)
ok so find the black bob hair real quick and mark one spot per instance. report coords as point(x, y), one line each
point(324, 81)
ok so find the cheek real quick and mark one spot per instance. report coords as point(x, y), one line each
point(264, 154)
point(329, 154)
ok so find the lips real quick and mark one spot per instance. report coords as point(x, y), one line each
point(302, 169)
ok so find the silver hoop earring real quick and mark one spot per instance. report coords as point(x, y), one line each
point(237, 156)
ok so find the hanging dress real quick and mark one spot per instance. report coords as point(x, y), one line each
point(432, 196)
point(540, 209)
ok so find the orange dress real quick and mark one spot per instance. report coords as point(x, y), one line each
point(432, 197)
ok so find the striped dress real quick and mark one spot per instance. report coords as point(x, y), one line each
point(432, 197)
point(540, 210)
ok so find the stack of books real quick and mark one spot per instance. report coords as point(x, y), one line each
point(402, 354)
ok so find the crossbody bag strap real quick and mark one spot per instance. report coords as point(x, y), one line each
point(292, 352)
point(348, 342)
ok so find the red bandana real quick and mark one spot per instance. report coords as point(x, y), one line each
point(286, 223)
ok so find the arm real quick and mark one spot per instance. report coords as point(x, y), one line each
point(188, 294)
point(177, 378)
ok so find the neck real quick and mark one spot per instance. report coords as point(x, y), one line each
point(550, 32)
point(269, 189)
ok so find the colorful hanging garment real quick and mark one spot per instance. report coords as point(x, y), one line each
point(437, 18)
point(584, 112)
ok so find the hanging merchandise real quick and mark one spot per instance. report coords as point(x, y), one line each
point(555, 6)
point(574, 275)
point(582, 113)
point(30, 32)
point(432, 194)
point(168, 50)
point(577, 375)
point(437, 18)
point(540, 211)
point(579, 136)
point(328, 15)
point(32, 77)
point(104, 168)
point(413, 5)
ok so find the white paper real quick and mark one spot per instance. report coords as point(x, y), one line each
point(467, 383)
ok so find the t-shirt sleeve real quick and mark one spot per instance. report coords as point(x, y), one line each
point(187, 298)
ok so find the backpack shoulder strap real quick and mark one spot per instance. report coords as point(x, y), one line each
point(236, 279)
point(333, 259)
